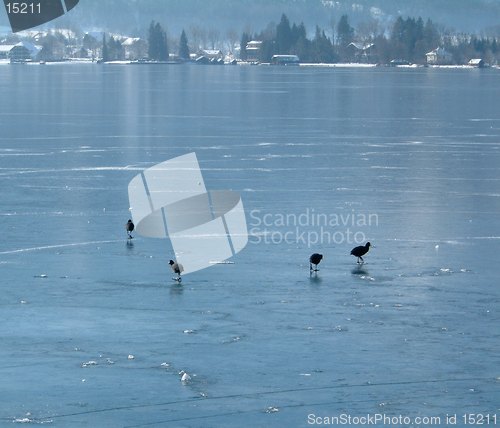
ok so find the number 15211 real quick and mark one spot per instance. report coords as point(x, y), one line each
point(23, 8)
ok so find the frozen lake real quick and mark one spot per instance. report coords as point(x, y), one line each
point(94, 330)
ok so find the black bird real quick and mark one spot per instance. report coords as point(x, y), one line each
point(177, 268)
point(129, 227)
point(314, 260)
point(360, 251)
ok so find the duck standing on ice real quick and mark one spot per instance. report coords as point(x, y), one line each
point(314, 260)
point(129, 227)
point(177, 268)
point(360, 251)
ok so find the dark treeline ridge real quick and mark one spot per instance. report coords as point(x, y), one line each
point(408, 40)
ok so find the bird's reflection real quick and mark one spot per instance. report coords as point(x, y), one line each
point(314, 278)
point(130, 244)
point(176, 289)
point(359, 270)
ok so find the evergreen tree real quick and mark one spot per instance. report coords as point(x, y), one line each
point(163, 47)
point(52, 48)
point(431, 35)
point(419, 46)
point(152, 42)
point(267, 50)
point(105, 53)
point(298, 32)
point(382, 50)
point(397, 33)
point(408, 39)
point(345, 33)
point(245, 38)
point(322, 49)
point(89, 42)
point(157, 40)
point(115, 50)
point(303, 49)
point(284, 36)
point(401, 39)
point(494, 47)
point(183, 47)
point(301, 45)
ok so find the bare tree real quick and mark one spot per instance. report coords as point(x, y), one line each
point(333, 24)
point(214, 37)
point(196, 36)
point(232, 39)
point(368, 30)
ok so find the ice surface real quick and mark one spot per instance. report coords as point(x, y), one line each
point(413, 331)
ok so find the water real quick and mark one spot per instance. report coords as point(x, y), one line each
point(95, 332)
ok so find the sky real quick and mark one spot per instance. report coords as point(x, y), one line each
point(133, 16)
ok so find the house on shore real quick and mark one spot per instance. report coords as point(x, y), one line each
point(477, 62)
point(360, 52)
point(285, 60)
point(253, 49)
point(20, 52)
point(439, 56)
point(210, 56)
point(5, 50)
point(135, 48)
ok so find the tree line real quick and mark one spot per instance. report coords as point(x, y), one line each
point(408, 40)
point(158, 47)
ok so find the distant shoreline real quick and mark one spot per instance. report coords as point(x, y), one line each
point(243, 64)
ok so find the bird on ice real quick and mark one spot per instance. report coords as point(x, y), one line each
point(185, 377)
point(177, 268)
point(314, 260)
point(360, 251)
point(129, 227)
